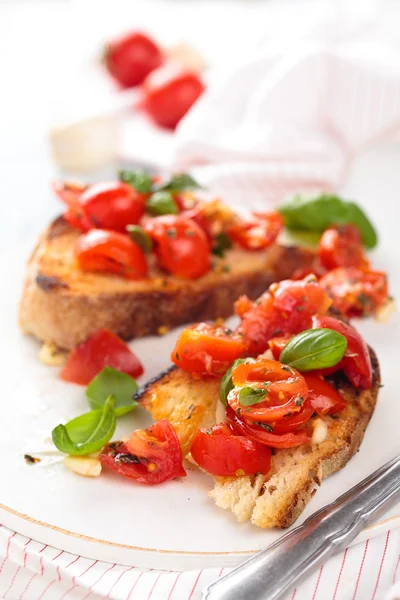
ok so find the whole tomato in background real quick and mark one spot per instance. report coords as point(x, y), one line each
point(131, 57)
point(169, 92)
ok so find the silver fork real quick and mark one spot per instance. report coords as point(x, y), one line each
point(274, 571)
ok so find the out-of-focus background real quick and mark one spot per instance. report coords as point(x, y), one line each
point(52, 80)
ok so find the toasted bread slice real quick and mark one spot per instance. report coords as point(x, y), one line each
point(63, 305)
point(278, 498)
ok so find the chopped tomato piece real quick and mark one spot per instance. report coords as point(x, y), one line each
point(223, 453)
point(277, 344)
point(356, 363)
point(322, 396)
point(101, 349)
point(286, 308)
point(263, 435)
point(181, 246)
point(355, 292)
point(112, 205)
point(70, 193)
point(110, 252)
point(151, 456)
point(341, 246)
point(207, 349)
point(257, 233)
point(130, 58)
point(242, 305)
point(295, 421)
point(283, 389)
point(169, 92)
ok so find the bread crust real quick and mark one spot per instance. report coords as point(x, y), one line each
point(62, 305)
point(278, 498)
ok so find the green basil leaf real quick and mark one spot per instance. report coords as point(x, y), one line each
point(162, 203)
point(227, 383)
point(249, 396)
point(222, 242)
point(140, 237)
point(87, 433)
point(314, 349)
point(140, 180)
point(315, 214)
point(110, 382)
point(179, 182)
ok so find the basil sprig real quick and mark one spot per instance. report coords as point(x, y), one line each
point(162, 203)
point(303, 213)
point(87, 433)
point(180, 182)
point(314, 349)
point(140, 237)
point(227, 383)
point(140, 180)
point(110, 382)
point(249, 395)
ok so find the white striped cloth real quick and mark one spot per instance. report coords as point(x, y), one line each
point(30, 570)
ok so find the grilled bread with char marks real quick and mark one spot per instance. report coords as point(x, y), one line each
point(278, 498)
point(62, 305)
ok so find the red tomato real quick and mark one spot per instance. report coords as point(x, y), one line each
point(341, 246)
point(112, 205)
point(101, 349)
point(152, 455)
point(285, 390)
point(356, 363)
point(110, 252)
point(70, 193)
point(242, 305)
point(169, 92)
point(286, 308)
point(207, 349)
point(224, 454)
point(197, 215)
point(258, 232)
point(295, 421)
point(355, 292)
point(181, 246)
point(263, 436)
point(322, 396)
point(277, 344)
point(132, 57)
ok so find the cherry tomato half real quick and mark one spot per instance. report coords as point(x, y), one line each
point(151, 456)
point(356, 292)
point(169, 92)
point(285, 390)
point(110, 252)
point(181, 246)
point(130, 58)
point(286, 308)
point(101, 349)
point(222, 453)
point(341, 246)
point(112, 205)
point(322, 396)
point(70, 193)
point(207, 349)
point(356, 363)
point(257, 233)
point(263, 436)
point(277, 344)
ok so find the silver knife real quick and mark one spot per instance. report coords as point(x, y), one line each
point(274, 571)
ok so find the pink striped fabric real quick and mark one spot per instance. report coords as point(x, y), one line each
point(33, 571)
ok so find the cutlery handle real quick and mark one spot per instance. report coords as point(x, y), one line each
point(272, 572)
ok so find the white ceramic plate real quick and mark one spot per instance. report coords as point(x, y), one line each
point(174, 526)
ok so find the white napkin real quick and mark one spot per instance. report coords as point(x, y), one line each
point(293, 114)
